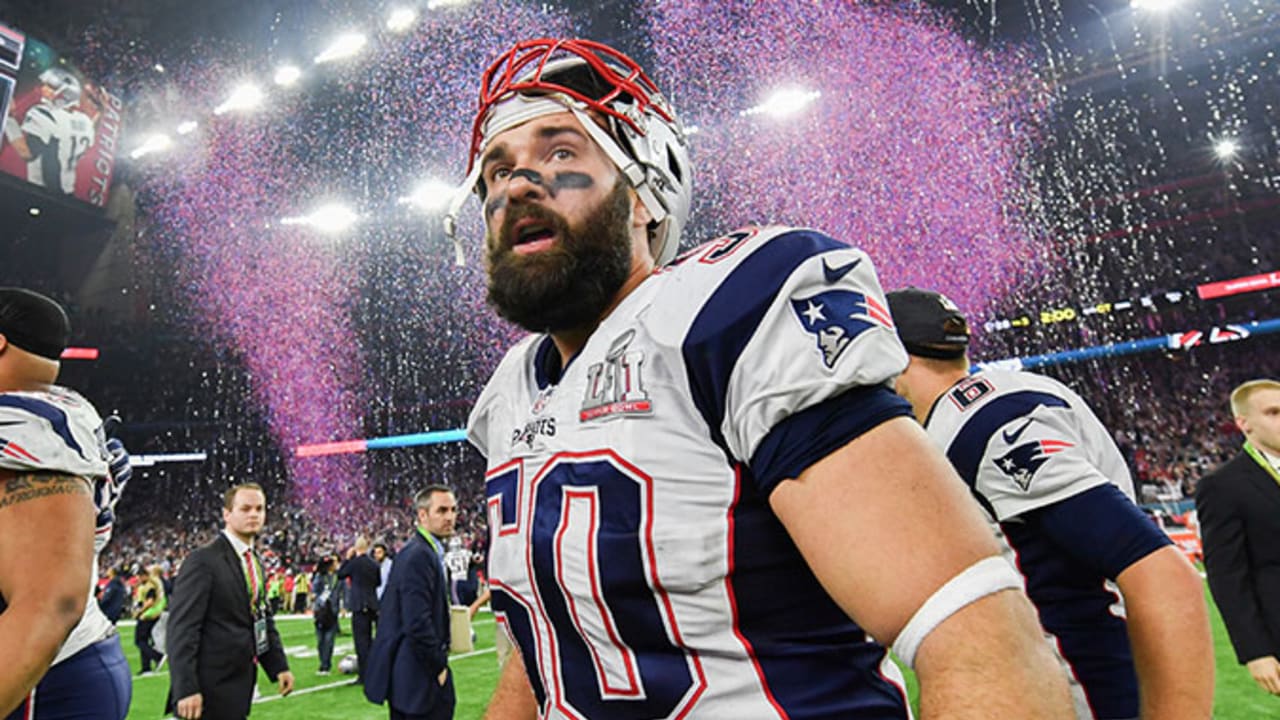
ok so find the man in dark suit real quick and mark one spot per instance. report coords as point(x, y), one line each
point(1239, 509)
point(219, 622)
point(112, 600)
point(409, 662)
point(362, 598)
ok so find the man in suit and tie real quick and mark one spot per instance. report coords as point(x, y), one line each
point(219, 623)
point(362, 597)
point(409, 663)
point(1239, 510)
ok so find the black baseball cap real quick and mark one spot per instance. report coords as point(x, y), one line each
point(928, 323)
point(32, 322)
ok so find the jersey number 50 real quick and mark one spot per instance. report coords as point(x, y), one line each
point(598, 621)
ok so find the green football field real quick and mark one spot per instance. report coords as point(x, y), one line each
point(333, 697)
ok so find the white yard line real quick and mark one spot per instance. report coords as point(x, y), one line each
point(340, 683)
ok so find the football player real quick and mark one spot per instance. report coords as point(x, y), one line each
point(1121, 602)
point(56, 484)
point(55, 133)
point(705, 498)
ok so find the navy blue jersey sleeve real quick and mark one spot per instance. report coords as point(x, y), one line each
point(1101, 528)
point(811, 434)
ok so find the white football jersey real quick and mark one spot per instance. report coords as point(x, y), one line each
point(59, 431)
point(1038, 459)
point(67, 136)
point(1024, 441)
point(633, 554)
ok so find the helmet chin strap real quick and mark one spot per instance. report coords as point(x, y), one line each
point(521, 109)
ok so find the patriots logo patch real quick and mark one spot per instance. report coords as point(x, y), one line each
point(1022, 462)
point(836, 317)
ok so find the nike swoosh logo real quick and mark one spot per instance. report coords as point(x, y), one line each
point(834, 274)
point(1012, 437)
point(6, 423)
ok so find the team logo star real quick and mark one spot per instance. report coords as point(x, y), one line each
point(814, 313)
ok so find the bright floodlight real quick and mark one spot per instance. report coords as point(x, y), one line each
point(430, 196)
point(329, 219)
point(343, 46)
point(401, 19)
point(784, 103)
point(287, 75)
point(1226, 148)
point(1159, 6)
point(187, 127)
point(243, 97)
point(152, 144)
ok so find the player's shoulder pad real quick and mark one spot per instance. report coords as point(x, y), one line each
point(518, 361)
point(54, 430)
point(719, 257)
point(39, 117)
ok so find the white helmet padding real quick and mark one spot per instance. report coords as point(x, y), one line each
point(644, 139)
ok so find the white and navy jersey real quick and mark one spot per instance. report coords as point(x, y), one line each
point(1043, 466)
point(59, 431)
point(633, 555)
point(63, 137)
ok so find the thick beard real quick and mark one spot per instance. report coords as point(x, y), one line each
point(570, 285)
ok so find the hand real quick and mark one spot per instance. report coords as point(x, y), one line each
point(285, 683)
point(444, 675)
point(121, 470)
point(351, 552)
point(1266, 672)
point(191, 707)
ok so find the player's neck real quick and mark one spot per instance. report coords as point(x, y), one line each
point(938, 385)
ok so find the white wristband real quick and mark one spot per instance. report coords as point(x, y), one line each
point(985, 577)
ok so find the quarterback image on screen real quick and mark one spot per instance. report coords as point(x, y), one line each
point(54, 133)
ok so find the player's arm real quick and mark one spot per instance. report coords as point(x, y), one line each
point(47, 516)
point(479, 602)
point(1167, 618)
point(513, 698)
point(891, 496)
point(1169, 630)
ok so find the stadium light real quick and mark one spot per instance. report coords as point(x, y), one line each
point(1226, 148)
point(329, 219)
point(431, 196)
point(287, 75)
point(187, 127)
point(784, 103)
point(242, 97)
point(401, 19)
point(344, 46)
point(1159, 6)
point(153, 144)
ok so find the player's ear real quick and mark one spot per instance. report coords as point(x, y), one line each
point(640, 215)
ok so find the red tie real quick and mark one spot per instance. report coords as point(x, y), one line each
point(253, 578)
